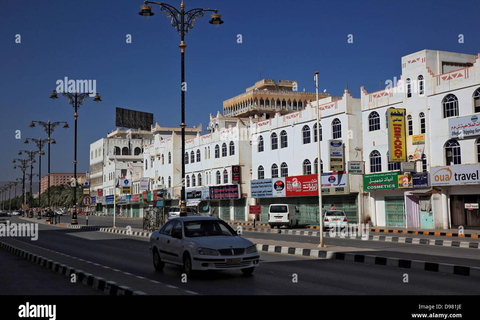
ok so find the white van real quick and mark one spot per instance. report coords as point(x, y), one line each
point(283, 215)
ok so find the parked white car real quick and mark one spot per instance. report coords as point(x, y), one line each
point(202, 243)
point(174, 212)
point(334, 219)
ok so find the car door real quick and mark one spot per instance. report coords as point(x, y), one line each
point(164, 240)
point(176, 243)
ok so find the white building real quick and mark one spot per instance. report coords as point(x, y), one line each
point(285, 149)
point(435, 88)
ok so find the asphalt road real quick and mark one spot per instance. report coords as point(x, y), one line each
point(127, 261)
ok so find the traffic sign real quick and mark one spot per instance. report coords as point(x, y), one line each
point(87, 201)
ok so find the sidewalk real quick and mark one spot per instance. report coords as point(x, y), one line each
point(467, 233)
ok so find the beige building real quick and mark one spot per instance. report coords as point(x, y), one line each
point(58, 179)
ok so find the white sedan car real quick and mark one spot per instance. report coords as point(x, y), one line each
point(202, 243)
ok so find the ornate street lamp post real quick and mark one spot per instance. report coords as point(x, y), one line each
point(48, 127)
point(182, 21)
point(75, 100)
point(39, 143)
point(23, 166)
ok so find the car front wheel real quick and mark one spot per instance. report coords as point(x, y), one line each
point(187, 264)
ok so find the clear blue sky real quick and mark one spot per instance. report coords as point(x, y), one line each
point(287, 40)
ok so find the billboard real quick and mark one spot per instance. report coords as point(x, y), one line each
point(336, 155)
point(462, 127)
point(380, 181)
point(127, 118)
point(455, 175)
point(396, 135)
point(300, 186)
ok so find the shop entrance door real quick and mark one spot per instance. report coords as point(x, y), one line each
point(395, 211)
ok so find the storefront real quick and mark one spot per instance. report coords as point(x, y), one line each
point(302, 191)
point(461, 185)
point(226, 202)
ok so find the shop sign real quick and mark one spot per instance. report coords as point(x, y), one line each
point(279, 189)
point(462, 127)
point(334, 180)
point(396, 135)
point(254, 209)
point(109, 199)
point(455, 175)
point(336, 155)
point(225, 192)
point(300, 186)
point(236, 177)
point(405, 180)
point(420, 180)
point(356, 167)
point(144, 183)
point(380, 181)
point(136, 198)
point(418, 139)
point(262, 188)
point(471, 206)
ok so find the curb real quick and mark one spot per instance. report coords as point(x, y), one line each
point(376, 260)
point(98, 283)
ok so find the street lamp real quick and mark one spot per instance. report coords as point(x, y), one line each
point(319, 166)
point(75, 100)
point(49, 128)
point(182, 21)
point(23, 166)
point(31, 155)
point(39, 143)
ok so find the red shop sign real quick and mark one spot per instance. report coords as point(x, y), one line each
point(300, 186)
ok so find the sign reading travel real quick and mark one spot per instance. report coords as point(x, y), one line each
point(455, 175)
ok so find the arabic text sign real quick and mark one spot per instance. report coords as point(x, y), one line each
point(396, 135)
point(380, 181)
point(464, 126)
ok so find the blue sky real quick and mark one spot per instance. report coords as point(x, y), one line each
point(281, 39)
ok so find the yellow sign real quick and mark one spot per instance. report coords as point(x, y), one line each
point(126, 190)
point(396, 135)
point(418, 139)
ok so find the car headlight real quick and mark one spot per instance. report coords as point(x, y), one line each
point(207, 252)
point(251, 249)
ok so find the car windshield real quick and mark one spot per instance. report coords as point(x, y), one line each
point(278, 209)
point(207, 228)
point(335, 213)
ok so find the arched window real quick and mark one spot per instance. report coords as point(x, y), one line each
point(224, 149)
point(306, 134)
point(260, 172)
point(284, 170)
point(410, 125)
point(409, 88)
point(192, 157)
point(274, 171)
point(187, 179)
point(260, 144)
point(307, 167)
point(186, 157)
point(225, 176)
point(199, 179)
point(169, 157)
point(375, 161)
point(283, 139)
point(315, 132)
point(274, 141)
point(315, 164)
point(452, 152)
point(219, 177)
point(393, 166)
point(476, 100)
point(217, 151)
point(373, 121)
point(137, 151)
point(116, 151)
point(336, 129)
point(169, 182)
point(421, 85)
point(423, 126)
point(125, 151)
point(450, 106)
point(162, 159)
point(199, 157)
point(424, 163)
point(232, 148)
point(193, 180)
